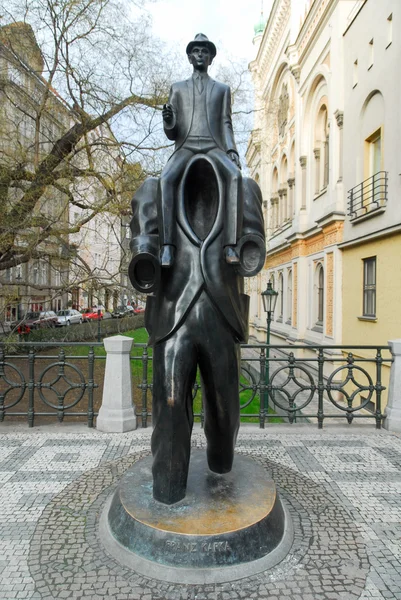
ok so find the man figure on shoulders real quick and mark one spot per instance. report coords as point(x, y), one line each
point(198, 118)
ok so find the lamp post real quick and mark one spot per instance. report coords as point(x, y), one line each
point(269, 297)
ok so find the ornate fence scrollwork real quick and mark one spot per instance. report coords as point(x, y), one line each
point(292, 388)
point(54, 385)
point(303, 383)
point(298, 386)
point(60, 378)
point(8, 385)
point(350, 369)
point(251, 385)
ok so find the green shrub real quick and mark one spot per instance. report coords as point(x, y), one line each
point(87, 332)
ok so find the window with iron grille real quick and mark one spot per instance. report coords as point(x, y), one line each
point(369, 287)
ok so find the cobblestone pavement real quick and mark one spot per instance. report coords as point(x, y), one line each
point(341, 486)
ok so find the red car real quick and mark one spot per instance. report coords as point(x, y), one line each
point(39, 320)
point(139, 310)
point(91, 315)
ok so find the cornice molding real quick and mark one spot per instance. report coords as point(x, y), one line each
point(278, 19)
point(316, 13)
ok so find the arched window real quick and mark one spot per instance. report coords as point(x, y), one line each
point(289, 296)
point(321, 149)
point(274, 213)
point(319, 279)
point(283, 192)
point(291, 182)
point(280, 296)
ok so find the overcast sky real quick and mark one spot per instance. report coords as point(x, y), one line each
point(227, 23)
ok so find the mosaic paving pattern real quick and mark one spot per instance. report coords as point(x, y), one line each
point(342, 489)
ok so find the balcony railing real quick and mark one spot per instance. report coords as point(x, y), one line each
point(368, 196)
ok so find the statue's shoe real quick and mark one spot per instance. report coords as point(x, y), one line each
point(167, 254)
point(231, 256)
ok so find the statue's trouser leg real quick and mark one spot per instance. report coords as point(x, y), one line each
point(219, 359)
point(234, 201)
point(169, 180)
point(174, 372)
point(206, 340)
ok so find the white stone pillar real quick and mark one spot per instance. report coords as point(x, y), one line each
point(117, 413)
point(392, 422)
point(339, 115)
point(316, 152)
point(291, 204)
point(281, 209)
point(302, 162)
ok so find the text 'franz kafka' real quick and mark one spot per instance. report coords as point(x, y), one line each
point(205, 547)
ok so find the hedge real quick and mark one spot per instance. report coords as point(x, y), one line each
point(87, 332)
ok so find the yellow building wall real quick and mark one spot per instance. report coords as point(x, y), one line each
point(387, 325)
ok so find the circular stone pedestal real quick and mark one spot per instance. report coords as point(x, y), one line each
point(223, 522)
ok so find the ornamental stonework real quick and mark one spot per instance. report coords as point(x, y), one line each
point(279, 20)
point(315, 244)
point(333, 234)
point(310, 31)
point(279, 259)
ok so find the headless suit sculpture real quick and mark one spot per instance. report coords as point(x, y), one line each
point(196, 233)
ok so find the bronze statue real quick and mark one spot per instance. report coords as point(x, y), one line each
point(198, 118)
point(196, 233)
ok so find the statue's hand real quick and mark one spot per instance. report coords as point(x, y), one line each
point(168, 115)
point(235, 158)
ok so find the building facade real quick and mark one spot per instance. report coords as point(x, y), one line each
point(80, 264)
point(38, 283)
point(372, 176)
point(325, 150)
point(296, 154)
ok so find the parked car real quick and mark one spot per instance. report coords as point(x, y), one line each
point(139, 310)
point(99, 307)
point(90, 314)
point(68, 317)
point(38, 320)
point(130, 309)
point(120, 311)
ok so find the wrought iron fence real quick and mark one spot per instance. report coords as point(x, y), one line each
point(299, 387)
point(299, 383)
point(367, 196)
point(36, 384)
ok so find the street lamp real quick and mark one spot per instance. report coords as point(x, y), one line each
point(269, 297)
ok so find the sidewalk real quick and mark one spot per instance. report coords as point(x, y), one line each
point(342, 486)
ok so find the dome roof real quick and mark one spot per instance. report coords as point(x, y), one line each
point(260, 25)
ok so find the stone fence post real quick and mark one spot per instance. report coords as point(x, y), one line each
point(392, 422)
point(117, 413)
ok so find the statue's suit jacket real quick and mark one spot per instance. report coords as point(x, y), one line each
point(198, 266)
point(218, 109)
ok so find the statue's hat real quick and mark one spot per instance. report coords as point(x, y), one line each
point(202, 40)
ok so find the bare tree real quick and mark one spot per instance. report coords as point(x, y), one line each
point(82, 83)
point(71, 70)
